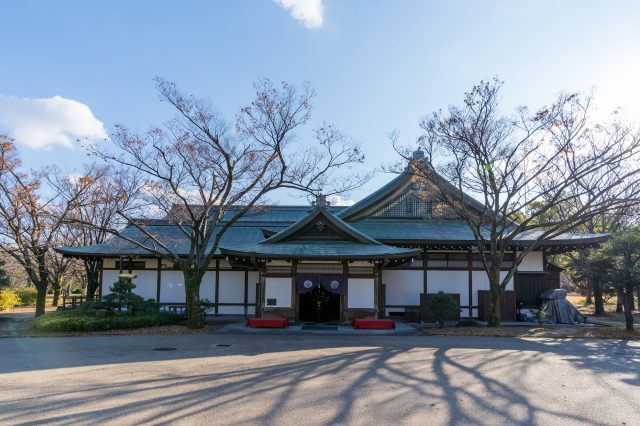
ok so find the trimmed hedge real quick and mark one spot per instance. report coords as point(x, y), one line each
point(89, 320)
point(28, 296)
point(8, 299)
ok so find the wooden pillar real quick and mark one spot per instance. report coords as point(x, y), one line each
point(130, 265)
point(121, 261)
point(425, 287)
point(380, 297)
point(259, 285)
point(158, 280)
point(246, 293)
point(294, 290)
point(376, 281)
point(100, 278)
point(217, 295)
point(345, 298)
point(470, 265)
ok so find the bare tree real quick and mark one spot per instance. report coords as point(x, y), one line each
point(110, 192)
point(525, 167)
point(29, 220)
point(203, 176)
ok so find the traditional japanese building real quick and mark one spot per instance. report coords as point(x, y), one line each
point(381, 257)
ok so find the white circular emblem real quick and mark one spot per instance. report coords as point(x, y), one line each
point(308, 284)
point(334, 284)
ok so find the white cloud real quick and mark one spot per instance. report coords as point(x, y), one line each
point(310, 13)
point(45, 122)
point(337, 200)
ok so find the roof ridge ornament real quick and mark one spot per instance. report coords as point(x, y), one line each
point(321, 201)
point(418, 155)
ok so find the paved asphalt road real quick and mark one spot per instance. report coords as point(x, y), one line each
point(300, 380)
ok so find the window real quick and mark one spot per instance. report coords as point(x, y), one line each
point(460, 260)
point(127, 265)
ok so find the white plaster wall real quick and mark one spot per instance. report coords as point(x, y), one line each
point(208, 286)
point(146, 284)
point(360, 293)
point(108, 278)
point(231, 287)
point(449, 282)
point(279, 289)
point(532, 262)
point(231, 291)
point(172, 287)
point(402, 287)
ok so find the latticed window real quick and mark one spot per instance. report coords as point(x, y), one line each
point(415, 205)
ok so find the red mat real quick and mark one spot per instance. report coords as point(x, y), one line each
point(375, 324)
point(267, 322)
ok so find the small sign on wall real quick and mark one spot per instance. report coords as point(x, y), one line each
point(272, 302)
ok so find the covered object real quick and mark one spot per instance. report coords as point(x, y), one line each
point(557, 309)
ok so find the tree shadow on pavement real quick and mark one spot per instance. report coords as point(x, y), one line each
point(318, 380)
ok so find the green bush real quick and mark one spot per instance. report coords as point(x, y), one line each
point(8, 299)
point(98, 320)
point(441, 307)
point(122, 298)
point(28, 296)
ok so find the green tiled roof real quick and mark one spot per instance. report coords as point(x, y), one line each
point(169, 235)
point(320, 249)
point(449, 231)
point(367, 237)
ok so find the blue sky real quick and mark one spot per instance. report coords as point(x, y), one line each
point(376, 65)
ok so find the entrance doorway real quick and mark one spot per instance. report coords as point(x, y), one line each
point(319, 305)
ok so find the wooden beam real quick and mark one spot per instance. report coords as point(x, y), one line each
point(470, 264)
point(294, 290)
point(425, 287)
point(246, 292)
point(345, 296)
point(380, 298)
point(158, 280)
point(217, 286)
point(376, 283)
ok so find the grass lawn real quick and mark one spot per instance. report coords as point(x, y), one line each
point(609, 308)
point(535, 331)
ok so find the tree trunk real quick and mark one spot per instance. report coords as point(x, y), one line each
point(598, 299)
point(41, 299)
point(589, 300)
point(57, 286)
point(56, 295)
point(192, 281)
point(92, 268)
point(495, 292)
point(619, 300)
point(41, 281)
point(628, 308)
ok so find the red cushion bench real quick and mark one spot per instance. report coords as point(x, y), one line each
point(267, 322)
point(374, 324)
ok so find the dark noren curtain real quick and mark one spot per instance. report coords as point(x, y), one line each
point(331, 283)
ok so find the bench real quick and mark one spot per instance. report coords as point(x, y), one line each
point(374, 324)
point(267, 323)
